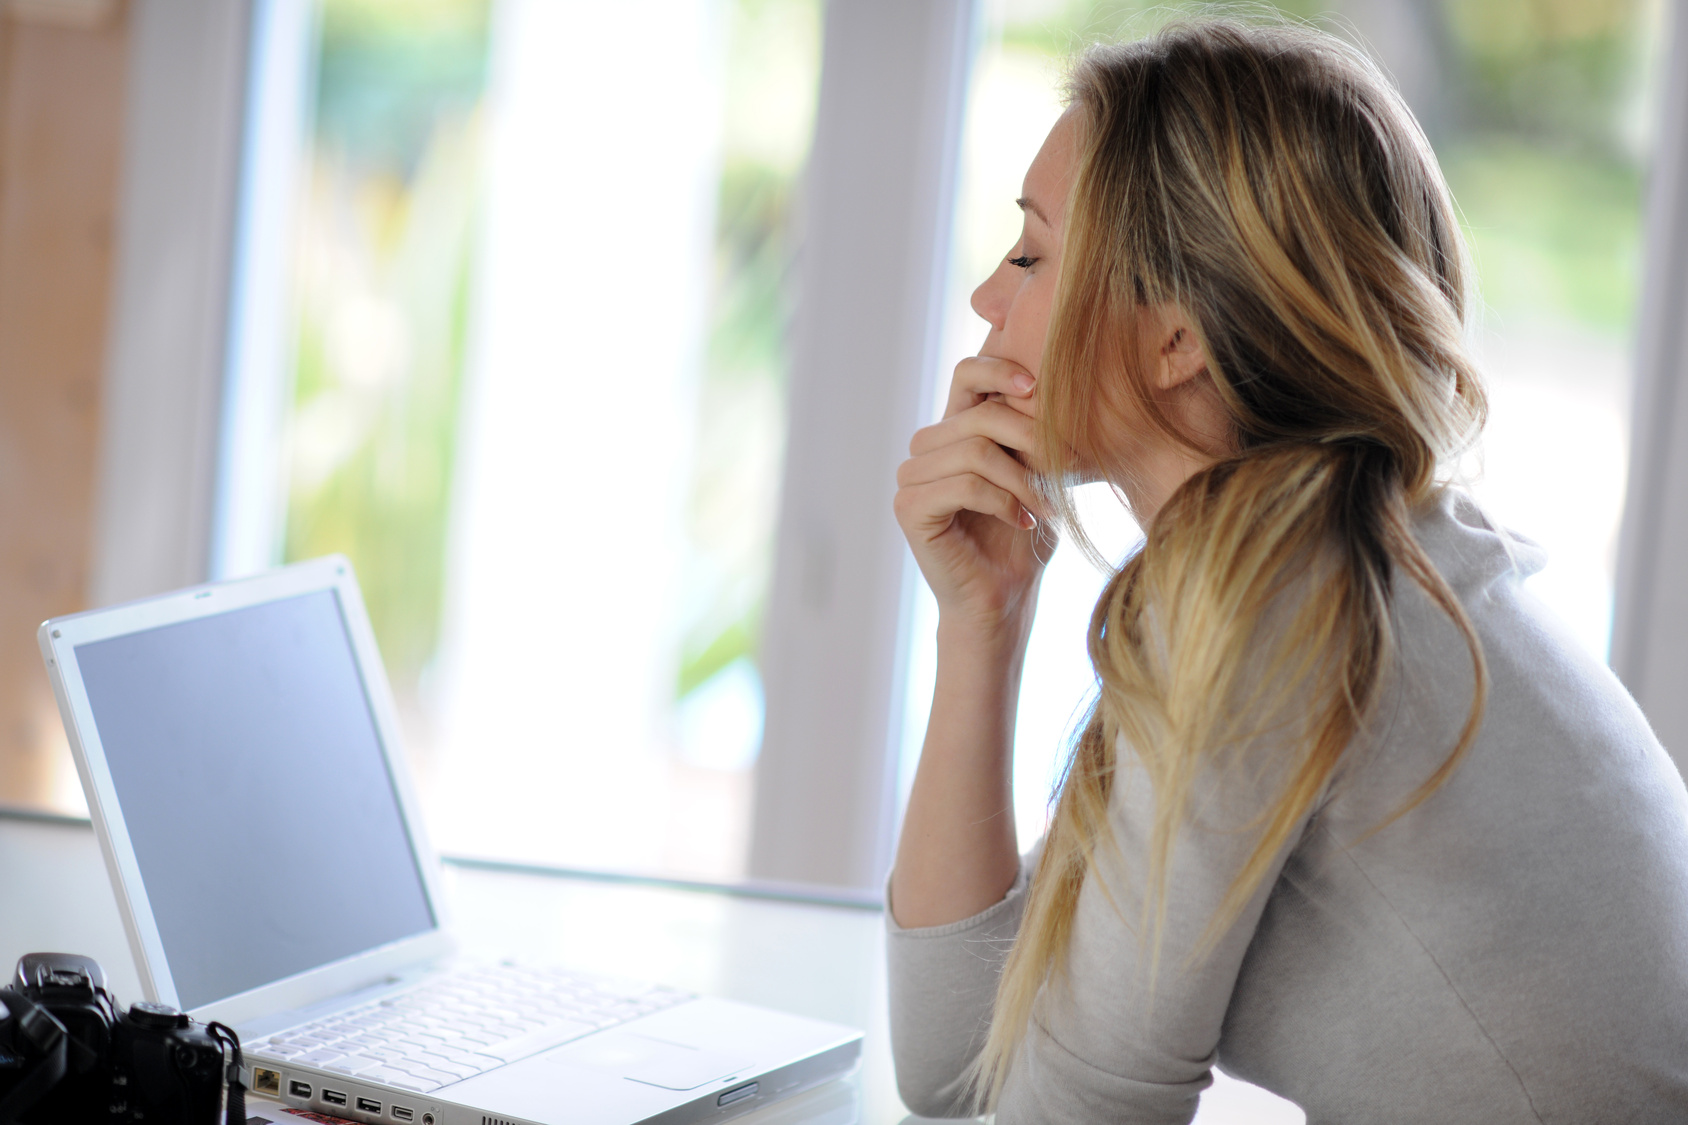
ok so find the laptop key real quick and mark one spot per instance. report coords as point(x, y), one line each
point(439, 1077)
point(446, 1066)
point(477, 1063)
point(413, 1064)
point(321, 1057)
point(349, 1065)
point(545, 1038)
point(401, 1079)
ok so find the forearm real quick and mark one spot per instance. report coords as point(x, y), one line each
point(959, 853)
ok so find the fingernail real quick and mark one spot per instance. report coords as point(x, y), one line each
point(1023, 383)
point(1027, 520)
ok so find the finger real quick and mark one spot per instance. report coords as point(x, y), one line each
point(928, 510)
point(978, 456)
point(995, 420)
point(977, 377)
point(1026, 406)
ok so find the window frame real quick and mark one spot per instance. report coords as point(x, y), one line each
point(879, 205)
point(165, 356)
point(1650, 621)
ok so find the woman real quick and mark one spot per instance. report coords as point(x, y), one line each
point(1353, 816)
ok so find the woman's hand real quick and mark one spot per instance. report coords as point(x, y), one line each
point(966, 503)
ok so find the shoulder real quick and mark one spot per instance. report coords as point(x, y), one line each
point(1472, 551)
point(1555, 715)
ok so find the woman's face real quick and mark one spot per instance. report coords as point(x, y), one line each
point(1017, 298)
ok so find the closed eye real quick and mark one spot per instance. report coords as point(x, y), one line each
point(1023, 262)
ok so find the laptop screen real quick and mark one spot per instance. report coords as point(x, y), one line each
point(258, 802)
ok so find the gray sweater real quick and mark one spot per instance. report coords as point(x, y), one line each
point(1515, 949)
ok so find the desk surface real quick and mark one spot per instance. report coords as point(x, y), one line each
point(821, 961)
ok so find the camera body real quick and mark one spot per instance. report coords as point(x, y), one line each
point(147, 1064)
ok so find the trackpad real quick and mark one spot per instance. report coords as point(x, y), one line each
point(655, 1062)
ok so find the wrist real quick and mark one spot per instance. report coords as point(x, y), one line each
point(990, 656)
point(999, 635)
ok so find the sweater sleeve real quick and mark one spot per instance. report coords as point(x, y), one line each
point(1118, 1039)
point(942, 985)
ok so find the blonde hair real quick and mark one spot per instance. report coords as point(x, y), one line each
point(1269, 182)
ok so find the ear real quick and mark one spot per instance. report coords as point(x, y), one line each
point(1180, 356)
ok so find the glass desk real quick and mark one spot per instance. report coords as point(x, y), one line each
point(816, 960)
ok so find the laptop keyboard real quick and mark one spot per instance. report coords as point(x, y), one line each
point(464, 1023)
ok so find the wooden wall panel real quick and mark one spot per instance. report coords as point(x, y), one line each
point(62, 89)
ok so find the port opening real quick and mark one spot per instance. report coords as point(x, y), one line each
point(265, 1081)
point(402, 1113)
point(369, 1105)
point(299, 1089)
point(427, 1119)
point(738, 1093)
point(334, 1097)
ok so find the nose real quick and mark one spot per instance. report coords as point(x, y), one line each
point(992, 298)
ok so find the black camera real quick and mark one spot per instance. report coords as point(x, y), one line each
point(70, 1055)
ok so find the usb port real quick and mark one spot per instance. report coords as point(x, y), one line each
point(299, 1089)
point(402, 1113)
point(369, 1105)
point(334, 1097)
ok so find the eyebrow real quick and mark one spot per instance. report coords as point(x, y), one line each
point(1027, 205)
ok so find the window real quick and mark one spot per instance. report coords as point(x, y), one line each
point(535, 390)
point(600, 698)
point(1543, 127)
point(495, 294)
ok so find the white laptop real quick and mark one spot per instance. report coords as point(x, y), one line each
point(239, 750)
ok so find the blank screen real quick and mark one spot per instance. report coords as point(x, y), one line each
point(258, 801)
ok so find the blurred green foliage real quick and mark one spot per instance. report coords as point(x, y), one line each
point(773, 67)
point(1059, 28)
point(1547, 151)
point(1561, 72)
point(747, 345)
point(1543, 137)
point(389, 71)
point(753, 254)
point(384, 298)
point(385, 260)
point(1554, 233)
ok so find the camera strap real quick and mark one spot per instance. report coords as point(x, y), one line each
point(42, 1031)
point(226, 1038)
